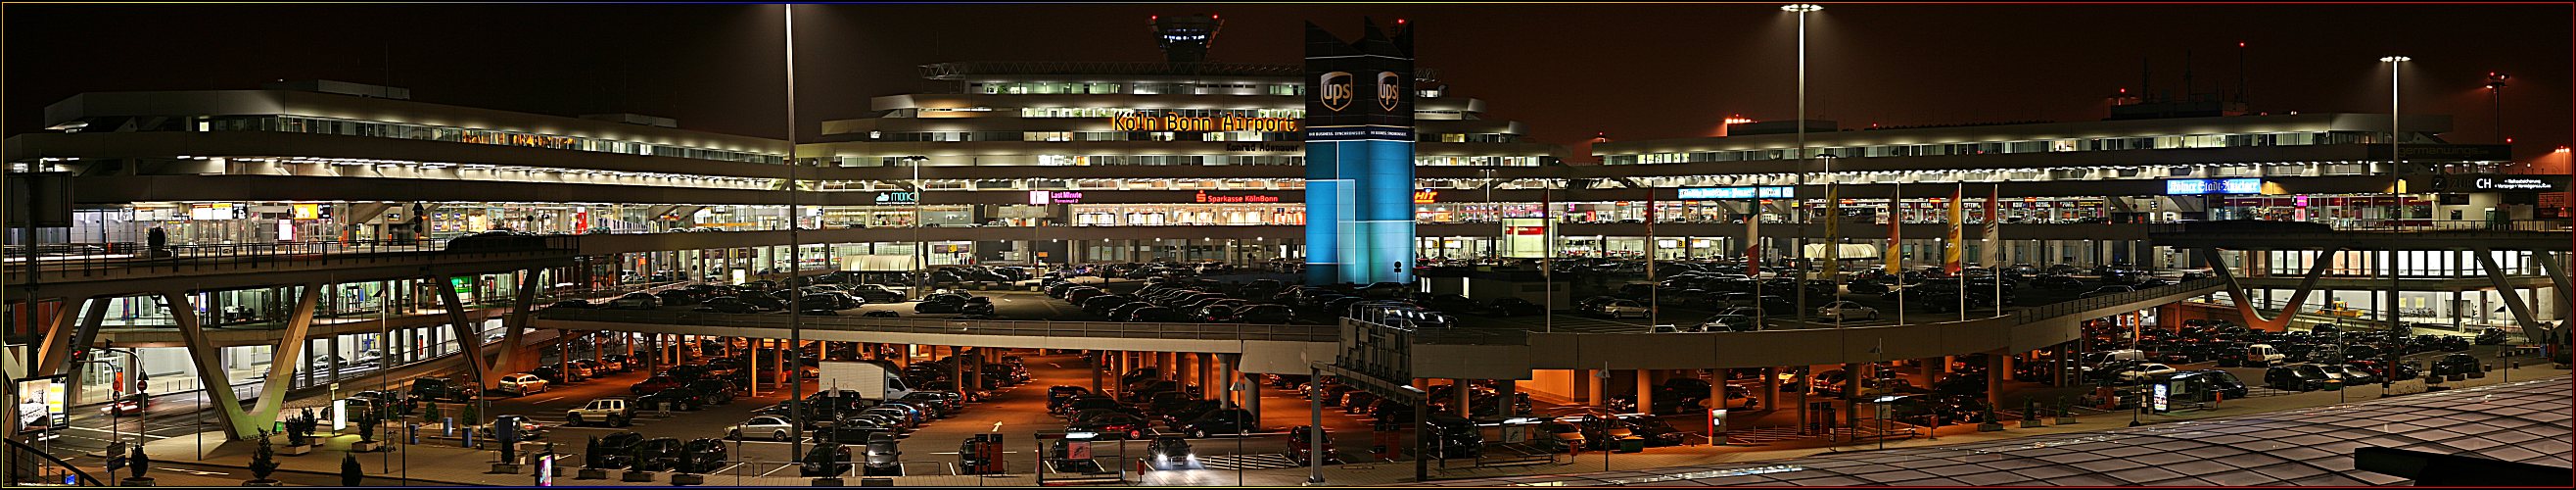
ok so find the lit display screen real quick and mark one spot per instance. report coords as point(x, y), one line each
point(2186, 187)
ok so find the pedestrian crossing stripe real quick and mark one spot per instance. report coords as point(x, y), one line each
point(1247, 462)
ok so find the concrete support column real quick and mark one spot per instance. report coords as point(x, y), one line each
point(1995, 380)
point(206, 356)
point(1645, 391)
point(55, 351)
point(1505, 392)
point(1770, 388)
point(469, 339)
point(1251, 394)
point(1460, 397)
point(1592, 393)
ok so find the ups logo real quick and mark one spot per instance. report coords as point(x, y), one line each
point(1390, 89)
point(1336, 90)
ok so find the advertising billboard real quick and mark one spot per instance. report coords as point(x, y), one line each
point(2193, 187)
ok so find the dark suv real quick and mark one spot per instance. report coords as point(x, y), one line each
point(662, 453)
point(440, 389)
point(614, 451)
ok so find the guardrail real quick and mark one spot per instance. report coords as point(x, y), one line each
point(2063, 308)
point(2401, 225)
point(1173, 331)
point(127, 257)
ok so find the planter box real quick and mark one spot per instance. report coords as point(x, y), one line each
point(2030, 423)
point(260, 483)
point(143, 481)
point(363, 446)
point(295, 450)
point(682, 479)
point(505, 468)
point(633, 476)
point(591, 474)
point(1993, 427)
point(827, 482)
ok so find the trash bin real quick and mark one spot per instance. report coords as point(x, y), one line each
point(1632, 445)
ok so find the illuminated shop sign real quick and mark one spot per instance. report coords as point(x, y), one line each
point(2505, 183)
point(898, 198)
point(2188, 187)
point(1737, 192)
point(1203, 196)
point(1169, 121)
point(1054, 197)
point(1426, 196)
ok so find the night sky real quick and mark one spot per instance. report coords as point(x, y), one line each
point(1568, 70)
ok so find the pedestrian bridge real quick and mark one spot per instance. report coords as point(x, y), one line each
point(123, 268)
point(1475, 354)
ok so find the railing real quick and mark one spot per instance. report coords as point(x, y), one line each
point(2079, 305)
point(2399, 225)
point(1174, 331)
point(114, 257)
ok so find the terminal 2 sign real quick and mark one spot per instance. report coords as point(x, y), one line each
point(1737, 192)
point(2192, 187)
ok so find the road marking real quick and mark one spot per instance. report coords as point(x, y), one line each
point(775, 470)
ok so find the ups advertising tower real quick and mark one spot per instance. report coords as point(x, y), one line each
point(1359, 156)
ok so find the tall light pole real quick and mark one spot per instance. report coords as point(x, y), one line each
point(795, 257)
point(2495, 95)
point(2396, 196)
point(920, 249)
point(1800, 251)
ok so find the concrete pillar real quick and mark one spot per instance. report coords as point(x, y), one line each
point(1459, 397)
point(1995, 380)
point(1252, 394)
point(1591, 387)
point(469, 339)
point(1505, 392)
point(1645, 391)
point(1770, 388)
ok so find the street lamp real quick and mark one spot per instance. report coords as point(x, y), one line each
point(920, 249)
point(2495, 95)
point(2397, 204)
point(1802, 9)
point(795, 255)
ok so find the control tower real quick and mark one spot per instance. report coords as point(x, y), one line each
point(1185, 38)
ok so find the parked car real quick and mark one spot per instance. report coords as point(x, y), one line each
point(1731, 323)
point(441, 389)
point(2450, 364)
point(616, 450)
point(1845, 310)
point(824, 459)
point(680, 398)
point(701, 455)
point(613, 411)
point(658, 454)
point(1620, 309)
point(522, 384)
point(772, 427)
point(635, 301)
point(2300, 377)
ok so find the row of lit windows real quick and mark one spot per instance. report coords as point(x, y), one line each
point(373, 129)
point(2037, 146)
point(1106, 88)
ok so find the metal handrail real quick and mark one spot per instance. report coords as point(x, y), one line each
point(1184, 331)
point(217, 257)
point(2063, 308)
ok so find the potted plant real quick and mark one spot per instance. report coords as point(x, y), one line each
point(350, 475)
point(138, 463)
point(299, 433)
point(591, 461)
point(367, 421)
point(263, 461)
point(1991, 424)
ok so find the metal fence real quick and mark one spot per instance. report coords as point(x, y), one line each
point(2079, 305)
point(106, 258)
point(1179, 331)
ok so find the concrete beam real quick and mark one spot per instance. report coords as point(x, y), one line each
point(2245, 303)
point(469, 340)
point(208, 360)
point(2522, 313)
point(290, 346)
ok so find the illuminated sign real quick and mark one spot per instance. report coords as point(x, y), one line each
point(1229, 122)
point(1388, 86)
point(1054, 197)
point(1337, 90)
point(518, 140)
point(2161, 389)
point(40, 406)
point(897, 198)
point(1737, 192)
point(2188, 187)
point(1203, 196)
point(1426, 196)
point(308, 211)
point(2505, 183)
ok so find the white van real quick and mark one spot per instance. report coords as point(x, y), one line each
point(2096, 359)
point(2263, 355)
